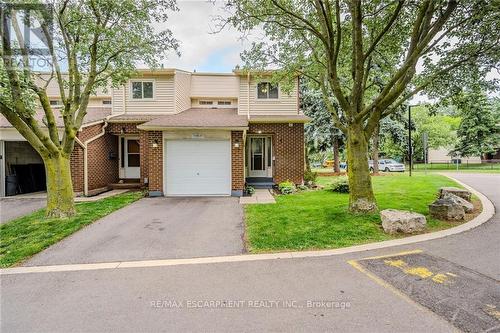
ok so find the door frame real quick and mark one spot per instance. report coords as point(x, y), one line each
point(125, 171)
point(268, 147)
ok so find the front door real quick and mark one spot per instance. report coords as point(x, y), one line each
point(260, 158)
point(132, 154)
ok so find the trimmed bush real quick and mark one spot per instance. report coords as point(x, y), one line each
point(250, 190)
point(340, 185)
point(286, 187)
point(310, 177)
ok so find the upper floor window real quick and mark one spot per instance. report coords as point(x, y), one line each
point(106, 102)
point(267, 90)
point(54, 102)
point(142, 89)
point(206, 102)
point(223, 102)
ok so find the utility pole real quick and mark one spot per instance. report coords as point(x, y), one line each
point(410, 150)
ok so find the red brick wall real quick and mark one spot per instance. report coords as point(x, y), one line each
point(76, 162)
point(128, 128)
point(288, 149)
point(237, 167)
point(102, 170)
point(155, 161)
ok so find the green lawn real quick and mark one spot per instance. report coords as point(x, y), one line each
point(320, 220)
point(23, 237)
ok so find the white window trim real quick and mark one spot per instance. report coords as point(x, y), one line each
point(208, 102)
point(224, 101)
point(131, 96)
point(267, 98)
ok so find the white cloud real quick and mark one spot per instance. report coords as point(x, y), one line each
point(193, 25)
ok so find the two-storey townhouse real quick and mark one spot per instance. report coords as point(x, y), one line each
point(177, 133)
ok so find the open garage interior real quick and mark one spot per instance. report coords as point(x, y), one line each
point(23, 169)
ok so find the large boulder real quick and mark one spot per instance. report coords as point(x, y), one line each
point(446, 209)
point(459, 192)
point(468, 207)
point(394, 221)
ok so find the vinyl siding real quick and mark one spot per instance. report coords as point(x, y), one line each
point(162, 103)
point(215, 86)
point(182, 90)
point(286, 104)
point(53, 87)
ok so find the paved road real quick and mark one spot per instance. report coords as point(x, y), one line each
point(155, 228)
point(11, 208)
point(158, 298)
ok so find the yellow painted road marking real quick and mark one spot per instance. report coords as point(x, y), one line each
point(420, 271)
point(404, 253)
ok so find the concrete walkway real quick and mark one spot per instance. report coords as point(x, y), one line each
point(314, 294)
point(261, 196)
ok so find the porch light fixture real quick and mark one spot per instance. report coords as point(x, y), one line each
point(155, 143)
point(122, 130)
point(259, 132)
point(236, 144)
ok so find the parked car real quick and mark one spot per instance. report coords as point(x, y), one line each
point(388, 165)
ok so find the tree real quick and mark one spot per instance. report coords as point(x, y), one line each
point(365, 54)
point(91, 44)
point(478, 132)
point(321, 134)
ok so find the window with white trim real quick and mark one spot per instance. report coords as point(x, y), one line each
point(206, 102)
point(267, 90)
point(106, 102)
point(223, 102)
point(142, 89)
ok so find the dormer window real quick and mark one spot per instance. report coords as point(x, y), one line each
point(142, 89)
point(206, 102)
point(267, 90)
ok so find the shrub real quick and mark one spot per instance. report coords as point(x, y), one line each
point(286, 187)
point(340, 185)
point(302, 187)
point(310, 177)
point(250, 190)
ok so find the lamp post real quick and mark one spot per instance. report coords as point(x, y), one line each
point(410, 150)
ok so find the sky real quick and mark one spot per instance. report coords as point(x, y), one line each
point(202, 49)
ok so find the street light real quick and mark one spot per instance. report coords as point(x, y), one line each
point(410, 150)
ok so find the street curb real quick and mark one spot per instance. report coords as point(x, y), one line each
point(486, 214)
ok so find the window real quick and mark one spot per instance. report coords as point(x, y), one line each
point(142, 89)
point(223, 102)
point(206, 102)
point(106, 102)
point(54, 102)
point(267, 90)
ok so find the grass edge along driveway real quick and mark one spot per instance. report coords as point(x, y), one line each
point(23, 237)
point(320, 219)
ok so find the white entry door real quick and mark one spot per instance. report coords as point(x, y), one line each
point(260, 157)
point(132, 154)
point(197, 167)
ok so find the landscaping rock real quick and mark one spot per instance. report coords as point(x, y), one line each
point(446, 209)
point(394, 221)
point(468, 207)
point(464, 194)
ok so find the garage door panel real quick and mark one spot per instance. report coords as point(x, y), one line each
point(198, 167)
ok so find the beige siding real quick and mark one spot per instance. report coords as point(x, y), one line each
point(286, 104)
point(214, 85)
point(53, 86)
point(162, 103)
point(182, 90)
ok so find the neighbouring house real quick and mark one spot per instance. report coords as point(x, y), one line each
point(175, 133)
point(442, 155)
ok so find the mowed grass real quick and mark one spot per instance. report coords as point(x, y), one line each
point(320, 219)
point(23, 237)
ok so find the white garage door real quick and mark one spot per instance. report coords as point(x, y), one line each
point(198, 167)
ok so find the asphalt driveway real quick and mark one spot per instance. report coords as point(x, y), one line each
point(155, 228)
point(14, 207)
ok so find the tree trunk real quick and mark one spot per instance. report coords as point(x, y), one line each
point(375, 140)
point(336, 158)
point(361, 198)
point(60, 197)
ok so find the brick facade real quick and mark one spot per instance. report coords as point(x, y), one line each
point(288, 149)
point(237, 162)
point(155, 162)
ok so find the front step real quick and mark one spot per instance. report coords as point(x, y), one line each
point(260, 182)
point(121, 186)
